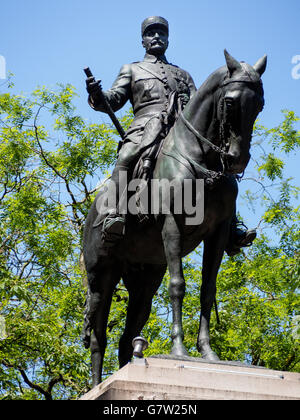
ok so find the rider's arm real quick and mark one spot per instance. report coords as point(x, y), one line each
point(118, 94)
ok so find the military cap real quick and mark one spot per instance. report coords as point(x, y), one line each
point(154, 20)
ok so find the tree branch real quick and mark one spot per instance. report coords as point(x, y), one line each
point(74, 202)
point(32, 385)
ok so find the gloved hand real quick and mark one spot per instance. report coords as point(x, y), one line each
point(93, 88)
point(184, 98)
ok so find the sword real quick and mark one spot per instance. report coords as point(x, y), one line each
point(108, 108)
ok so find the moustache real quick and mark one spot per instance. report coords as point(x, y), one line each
point(157, 41)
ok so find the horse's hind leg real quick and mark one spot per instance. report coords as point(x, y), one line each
point(141, 285)
point(102, 282)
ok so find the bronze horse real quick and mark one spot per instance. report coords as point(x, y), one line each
point(211, 141)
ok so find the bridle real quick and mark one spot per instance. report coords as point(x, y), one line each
point(224, 126)
point(202, 138)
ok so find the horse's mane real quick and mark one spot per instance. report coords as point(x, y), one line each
point(212, 82)
point(247, 73)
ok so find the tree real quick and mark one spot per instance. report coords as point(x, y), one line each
point(45, 177)
point(50, 163)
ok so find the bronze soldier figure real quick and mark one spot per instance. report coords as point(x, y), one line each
point(157, 91)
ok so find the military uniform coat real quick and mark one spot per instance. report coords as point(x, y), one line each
point(147, 85)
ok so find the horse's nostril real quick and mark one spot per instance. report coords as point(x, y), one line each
point(235, 164)
point(231, 159)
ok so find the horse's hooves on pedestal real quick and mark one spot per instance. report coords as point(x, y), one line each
point(210, 356)
point(179, 351)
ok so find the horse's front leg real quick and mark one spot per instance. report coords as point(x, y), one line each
point(172, 245)
point(213, 252)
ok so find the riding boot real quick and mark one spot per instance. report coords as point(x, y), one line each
point(111, 216)
point(239, 238)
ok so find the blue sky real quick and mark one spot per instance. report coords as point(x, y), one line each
point(50, 41)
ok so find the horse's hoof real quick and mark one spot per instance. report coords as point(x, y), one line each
point(206, 351)
point(179, 351)
point(210, 356)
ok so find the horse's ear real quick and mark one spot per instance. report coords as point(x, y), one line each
point(232, 63)
point(261, 65)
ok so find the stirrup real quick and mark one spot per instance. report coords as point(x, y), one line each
point(113, 229)
point(239, 237)
point(247, 239)
point(234, 248)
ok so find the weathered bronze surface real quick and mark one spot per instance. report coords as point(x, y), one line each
point(181, 133)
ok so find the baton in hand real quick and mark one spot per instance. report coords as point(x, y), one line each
point(107, 107)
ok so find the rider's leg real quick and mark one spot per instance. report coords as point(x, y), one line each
point(112, 212)
point(112, 217)
point(240, 236)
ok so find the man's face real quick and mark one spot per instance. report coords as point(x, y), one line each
point(155, 40)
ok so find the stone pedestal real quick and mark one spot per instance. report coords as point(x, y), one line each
point(187, 378)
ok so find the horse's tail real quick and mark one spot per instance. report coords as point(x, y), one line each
point(86, 330)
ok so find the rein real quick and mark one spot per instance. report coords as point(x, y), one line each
point(210, 174)
point(201, 138)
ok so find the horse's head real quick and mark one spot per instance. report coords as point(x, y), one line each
point(241, 99)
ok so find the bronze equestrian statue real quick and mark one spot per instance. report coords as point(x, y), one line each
point(183, 133)
point(150, 86)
